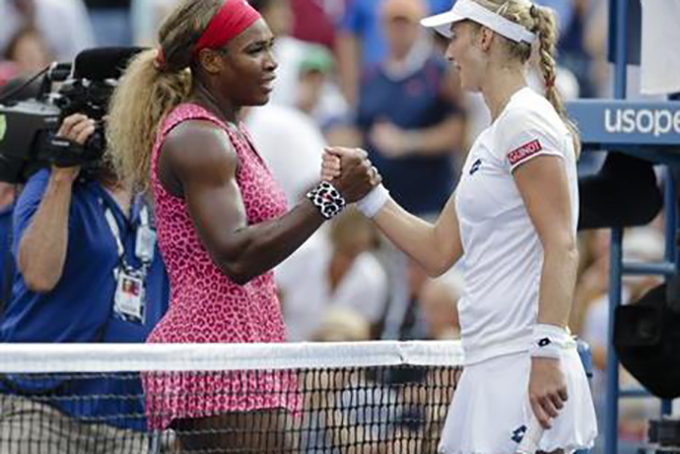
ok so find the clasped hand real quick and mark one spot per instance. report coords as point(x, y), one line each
point(350, 171)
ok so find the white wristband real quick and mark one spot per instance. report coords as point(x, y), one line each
point(548, 341)
point(374, 201)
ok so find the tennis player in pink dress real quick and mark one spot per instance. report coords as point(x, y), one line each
point(222, 221)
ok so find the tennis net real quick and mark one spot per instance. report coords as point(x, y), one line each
point(311, 398)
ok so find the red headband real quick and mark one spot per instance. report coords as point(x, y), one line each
point(233, 18)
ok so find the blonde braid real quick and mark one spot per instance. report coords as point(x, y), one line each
point(545, 27)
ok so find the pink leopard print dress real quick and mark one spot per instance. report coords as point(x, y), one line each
point(205, 306)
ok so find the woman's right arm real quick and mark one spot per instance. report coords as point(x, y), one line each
point(200, 156)
point(436, 247)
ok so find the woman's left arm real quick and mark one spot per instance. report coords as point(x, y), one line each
point(542, 182)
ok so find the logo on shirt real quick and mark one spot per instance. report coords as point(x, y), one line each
point(475, 166)
point(520, 154)
point(518, 434)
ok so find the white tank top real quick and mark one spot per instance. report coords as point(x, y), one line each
point(503, 255)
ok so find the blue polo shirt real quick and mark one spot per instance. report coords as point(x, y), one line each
point(421, 184)
point(362, 18)
point(80, 307)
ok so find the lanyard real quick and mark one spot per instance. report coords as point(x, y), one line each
point(141, 253)
point(115, 231)
point(129, 300)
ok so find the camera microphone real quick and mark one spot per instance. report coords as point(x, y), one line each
point(103, 62)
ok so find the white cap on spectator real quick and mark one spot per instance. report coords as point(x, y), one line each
point(470, 10)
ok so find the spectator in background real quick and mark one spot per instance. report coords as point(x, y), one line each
point(295, 58)
point(334, 271)
point(82, 244)
point(429, 310)
point(405, 319)
point(564, 12)
point(315, 20)
point(361, 41)
point(314, 71)
point(318, 95)
point(147, 16)
point(28, 52)
point(111, 19)
point(571, 47)
point(340, 324)
point(278, 127)
point(409, 113)
point(64, 24)
point(595, 40)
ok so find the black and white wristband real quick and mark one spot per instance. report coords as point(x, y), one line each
point(327, 199)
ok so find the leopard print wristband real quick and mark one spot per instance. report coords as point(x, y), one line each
point(327, 199)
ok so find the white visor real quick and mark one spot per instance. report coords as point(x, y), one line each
point(470, 10)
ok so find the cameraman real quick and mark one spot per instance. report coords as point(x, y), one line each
point(88, 271)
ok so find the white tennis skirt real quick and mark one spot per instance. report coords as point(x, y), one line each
point(490, 410)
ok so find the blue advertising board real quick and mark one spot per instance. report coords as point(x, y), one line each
point(607, 122)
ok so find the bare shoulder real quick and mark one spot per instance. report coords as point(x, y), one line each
point(200, 148)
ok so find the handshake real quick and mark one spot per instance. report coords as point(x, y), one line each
point(350, 171)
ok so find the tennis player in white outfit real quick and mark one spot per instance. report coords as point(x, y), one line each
point(512, 221)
